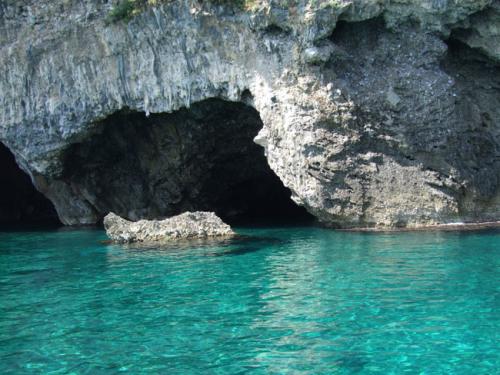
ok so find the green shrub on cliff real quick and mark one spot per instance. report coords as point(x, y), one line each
point(240, 4)
point(124, 10)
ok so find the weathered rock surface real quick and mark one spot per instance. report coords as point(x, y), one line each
point(482, 31)
point(189, 225)
point(379, 113)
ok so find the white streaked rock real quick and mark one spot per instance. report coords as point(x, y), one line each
point(189, 225)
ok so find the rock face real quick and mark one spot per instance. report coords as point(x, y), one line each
point(189, 225)
point(372, 113)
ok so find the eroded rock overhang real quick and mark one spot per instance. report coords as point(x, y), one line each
point(336, 148)
point(146, 167)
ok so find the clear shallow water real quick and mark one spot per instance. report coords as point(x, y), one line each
point(290, 301)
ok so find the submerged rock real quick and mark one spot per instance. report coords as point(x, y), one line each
point(189, 225)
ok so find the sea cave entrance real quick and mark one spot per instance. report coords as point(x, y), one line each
point(20, 202)
point(197, 158)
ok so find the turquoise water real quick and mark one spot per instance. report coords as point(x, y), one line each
point(284, 301)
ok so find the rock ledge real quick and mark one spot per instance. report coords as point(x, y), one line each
point(189, 225)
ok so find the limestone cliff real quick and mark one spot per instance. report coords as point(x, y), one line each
point(373, 113)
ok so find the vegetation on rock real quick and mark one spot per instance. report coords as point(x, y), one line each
point(125, 10)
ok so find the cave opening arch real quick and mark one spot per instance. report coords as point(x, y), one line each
point(197, 158)
point(20, 202)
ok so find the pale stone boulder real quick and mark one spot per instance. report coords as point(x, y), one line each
point(189, 225)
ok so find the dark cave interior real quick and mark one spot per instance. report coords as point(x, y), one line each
point(200, 158)
point(20, 202)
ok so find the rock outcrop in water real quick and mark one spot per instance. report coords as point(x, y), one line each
point(371, 113)
point(189, 225)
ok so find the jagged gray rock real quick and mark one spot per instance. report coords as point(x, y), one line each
point(189, 225)
point(482, 31)
point(374, 113)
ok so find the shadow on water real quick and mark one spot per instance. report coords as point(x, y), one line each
point(353, 362)
point(29, 272)
point(237, 245)
point(30, 227)
point(249, 244)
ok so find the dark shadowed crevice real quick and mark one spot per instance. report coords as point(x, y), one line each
point(358, 37)
point(20, 202)
point(201, 158)
point(370, 29)
point(477, 83)
point(460, 53)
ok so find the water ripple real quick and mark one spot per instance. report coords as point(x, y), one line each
point(273, 301)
